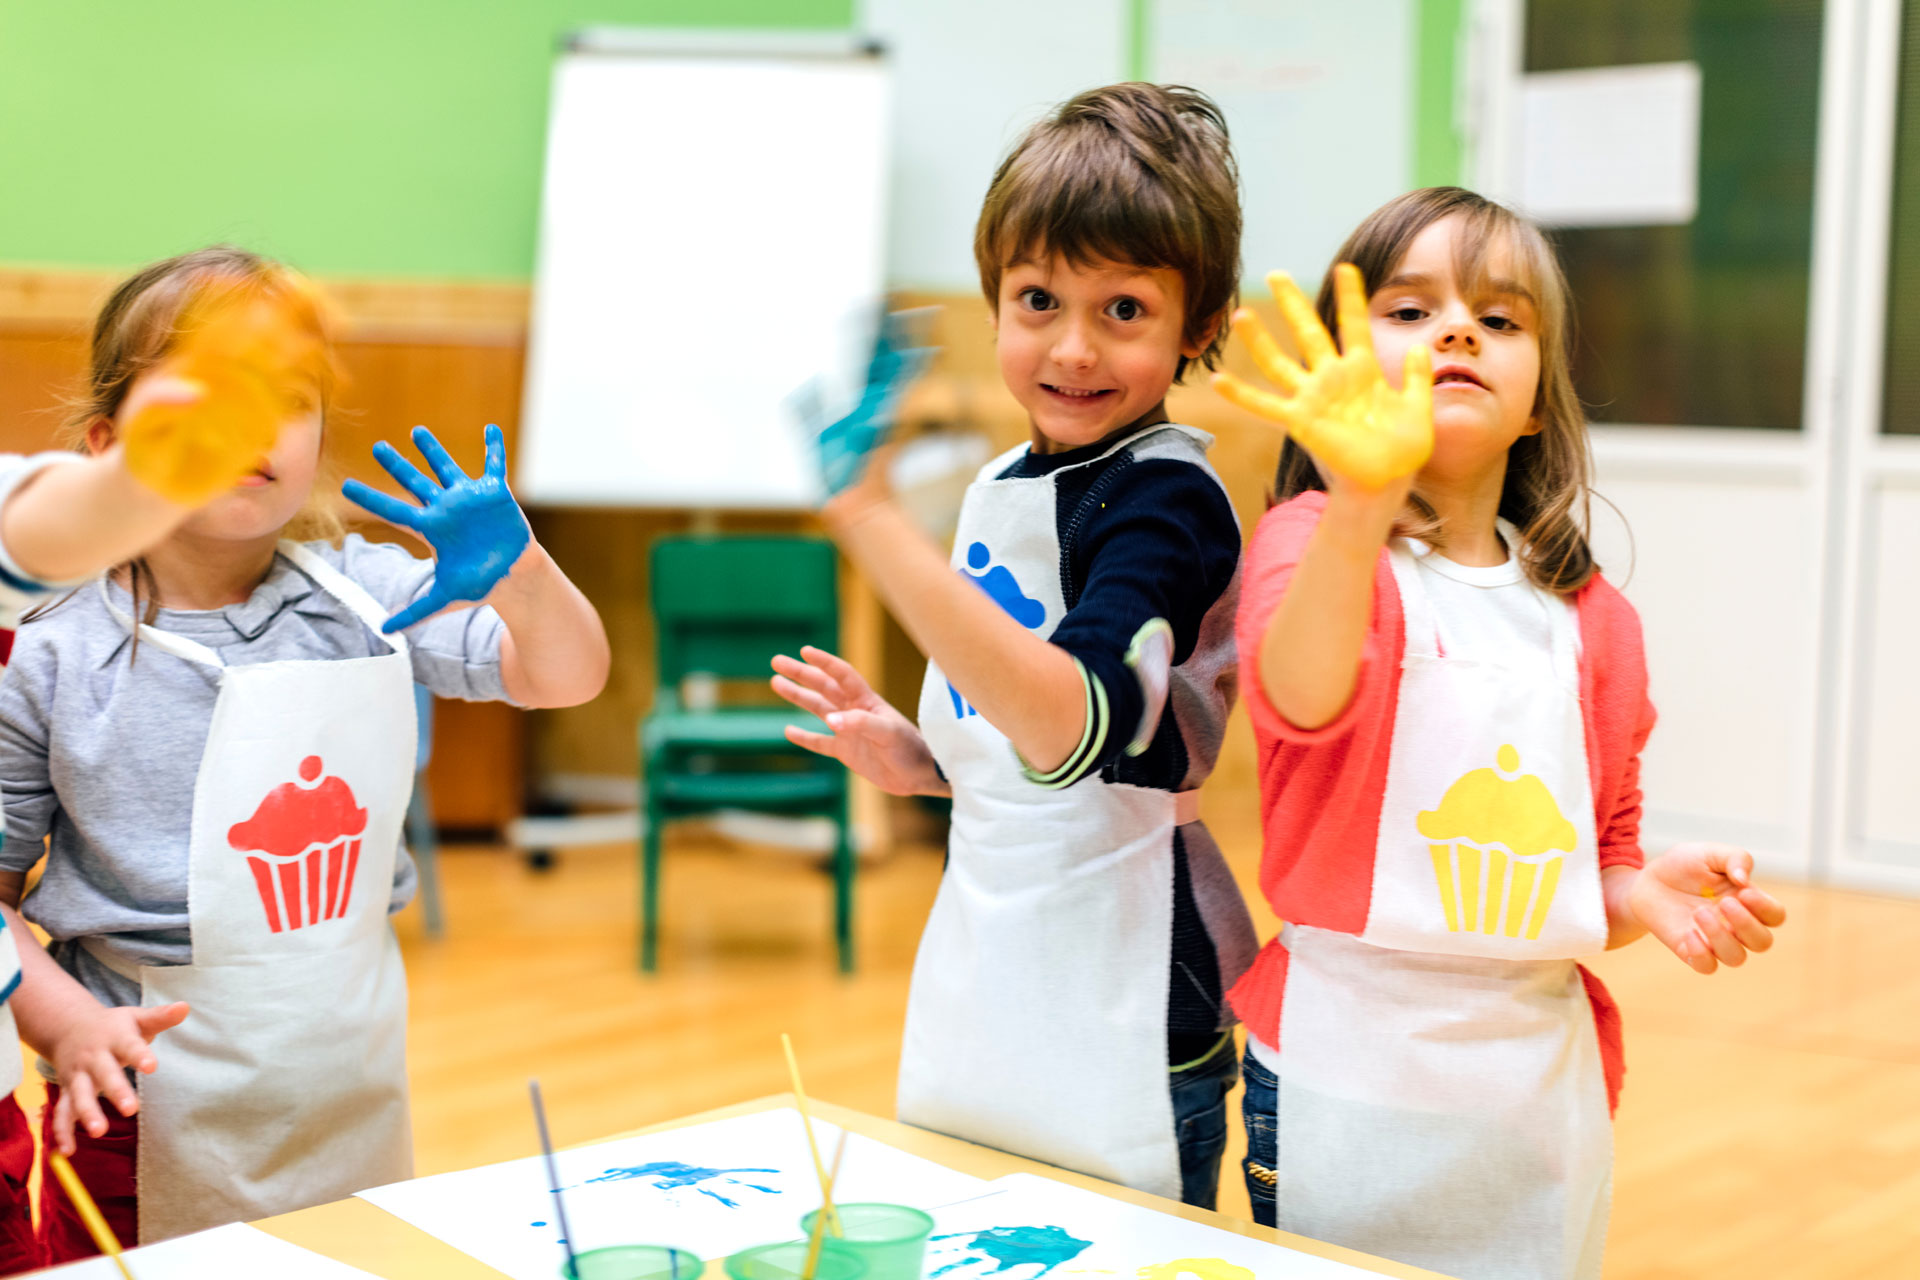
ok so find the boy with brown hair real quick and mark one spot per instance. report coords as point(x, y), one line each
point(1067, 1000)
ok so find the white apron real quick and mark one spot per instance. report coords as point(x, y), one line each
point(1441, 1097)
point(1038, 1015)
point(286, 1087)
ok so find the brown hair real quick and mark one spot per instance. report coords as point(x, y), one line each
point(1548, 484)
point(138, 329)
point(1141, 174)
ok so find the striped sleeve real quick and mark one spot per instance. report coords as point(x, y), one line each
point(1093, 740)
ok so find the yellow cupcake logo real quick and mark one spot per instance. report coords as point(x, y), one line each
point(1489, 822)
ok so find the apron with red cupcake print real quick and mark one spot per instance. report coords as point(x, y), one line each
point(286, 1086)
point(1441, 1097)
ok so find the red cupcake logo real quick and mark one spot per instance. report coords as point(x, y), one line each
point(303, 846)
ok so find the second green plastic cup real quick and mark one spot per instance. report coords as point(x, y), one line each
point(634, 1262)
point(788, 1260)
point(890, 1238)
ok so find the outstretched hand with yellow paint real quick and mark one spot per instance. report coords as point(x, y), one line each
point(251, 358)
point(1700, 900)
point(1338, 404)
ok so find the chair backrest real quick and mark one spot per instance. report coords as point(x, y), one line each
point(724, 606)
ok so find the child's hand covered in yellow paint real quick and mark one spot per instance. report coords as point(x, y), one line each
point(1700, 900)
point(248, 365)
point(1338, 404)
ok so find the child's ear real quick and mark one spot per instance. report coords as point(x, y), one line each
point(1533, 426)
point(99, 436)
point(1194, 350)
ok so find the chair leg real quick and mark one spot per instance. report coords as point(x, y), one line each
point(843, 890)
point(424, 843)
point(650, 889)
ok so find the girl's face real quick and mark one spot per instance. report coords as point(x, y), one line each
point(265, 501)
point(1087, 350)
point(1485, 343)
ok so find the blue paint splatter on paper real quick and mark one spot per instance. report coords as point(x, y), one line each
point(539, 1224)
point(672, 1175)
point(998, 1250)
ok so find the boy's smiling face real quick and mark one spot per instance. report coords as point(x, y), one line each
point(1088, 350)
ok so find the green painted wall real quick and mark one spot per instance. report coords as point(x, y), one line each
point(364, 137)
point(351, 137)
point(1439, 158)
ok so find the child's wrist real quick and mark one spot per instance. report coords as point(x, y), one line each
point(529, 575)
point(852, 507)
point(1363, 519)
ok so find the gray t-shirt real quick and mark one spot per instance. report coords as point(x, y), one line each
point(100, 746)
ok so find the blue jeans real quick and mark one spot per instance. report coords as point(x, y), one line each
point(1260, 1106)
point(1200, 1090)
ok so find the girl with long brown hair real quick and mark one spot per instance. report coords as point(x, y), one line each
point(1450, 703)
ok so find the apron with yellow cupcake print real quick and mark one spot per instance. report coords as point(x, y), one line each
point(1441, 1096)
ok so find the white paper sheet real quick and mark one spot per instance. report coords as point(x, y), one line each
point(224, 1251)
point(1611, 146)
point(711, 1189)
point(1027, 1227)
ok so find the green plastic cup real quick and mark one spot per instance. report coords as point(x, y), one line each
point(787, 1260)
point(634, 1262)
point(890, 1238)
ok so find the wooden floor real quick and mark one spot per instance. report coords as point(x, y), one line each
point(1770, 1126)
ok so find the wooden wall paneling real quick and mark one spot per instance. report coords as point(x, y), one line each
point(41, 370)
point(477, 776)
point(605, 552)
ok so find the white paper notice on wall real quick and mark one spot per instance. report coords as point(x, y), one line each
point(1611, 146)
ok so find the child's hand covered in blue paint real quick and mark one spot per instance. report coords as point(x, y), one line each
point(845, 447)
point(476, 528)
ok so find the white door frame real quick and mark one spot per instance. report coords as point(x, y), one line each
point(1870, 463)
point(1839, 459)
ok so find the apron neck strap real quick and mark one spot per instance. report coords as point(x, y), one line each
point(344, 589)
point(1416, 611)
point(325, 576)
point(165, 641)
point(1423, 630)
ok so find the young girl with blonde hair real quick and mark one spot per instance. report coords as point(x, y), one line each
point(64, 518)
point(219, 739)
point(1450, 704)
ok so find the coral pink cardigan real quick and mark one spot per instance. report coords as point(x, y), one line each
point(1321, 789)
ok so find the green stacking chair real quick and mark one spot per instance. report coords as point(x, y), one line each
point(722, 607)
